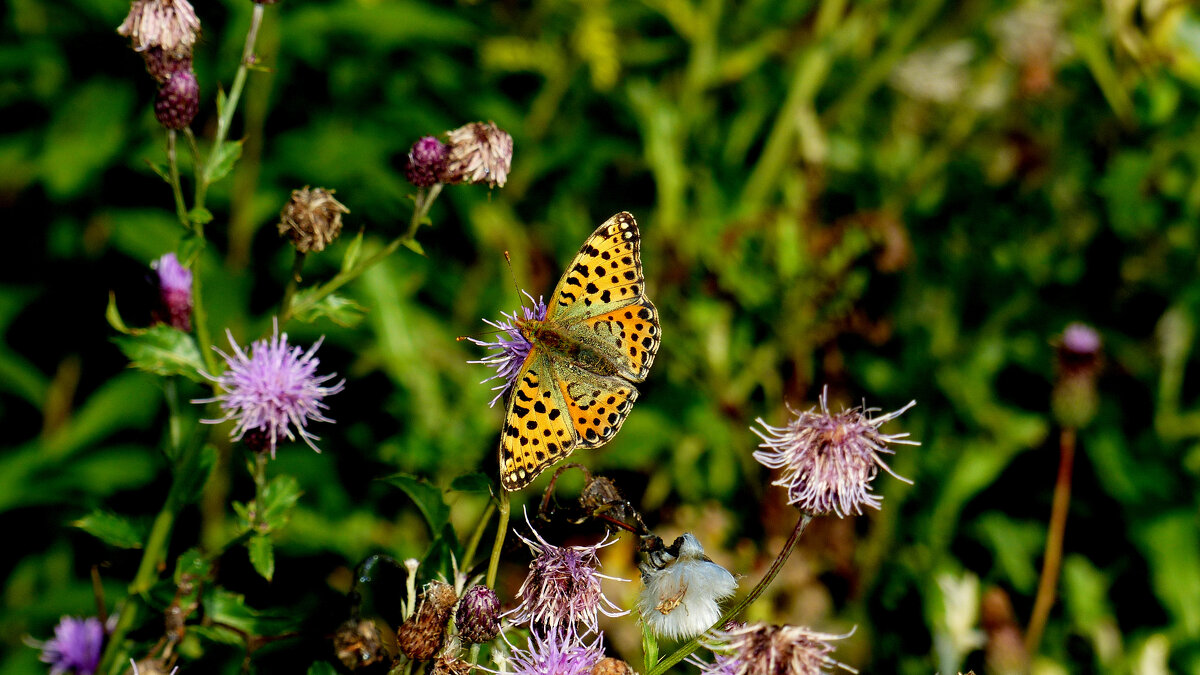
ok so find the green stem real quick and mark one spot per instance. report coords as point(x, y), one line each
point(176, 186)
point(199, 313)
point(174, 422)
point(477, 535)
point(421, 209)
point(289, 291)
point(498, 546)
point(691, 645)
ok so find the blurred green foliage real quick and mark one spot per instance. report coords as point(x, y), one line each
point(895, 200)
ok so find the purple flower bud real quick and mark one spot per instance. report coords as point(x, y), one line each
point(174, 292)
point(426, 162)
point(162, 64)
point(178, 100)
point(478, 617)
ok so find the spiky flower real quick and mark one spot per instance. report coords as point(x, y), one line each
point(170, 25)
point(511, 346)
point(75, 647)
point(478, 153)
point(424, 632)
point(761, 649)
point(426, 162)
point(312, 218)
point(177, 101)
point(271, 390)
point(563, 586)
point(478, 616)
point(682, 590)
point(829, 461)
point(559, 651)
point(174, 291)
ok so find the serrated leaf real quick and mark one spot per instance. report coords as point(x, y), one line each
point(158, 169)
point(262, 555)
point(163, 350)
point(352, 253)
point(225, 157)
point(428, 498)
point(340, 310)
point(414, 246)
point(200, 216)
point(114, 316)
point(191, 475)
point(112, 529)
point(321, 668)
point(477, 482)
point(278, 498)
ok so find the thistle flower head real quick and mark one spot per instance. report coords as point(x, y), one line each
point(170, 25)
point(478, 616)
point(761, 649)
point(75, 647)
point(557, 651)
point(312, 218)
point(478, 153)
point(272, 389)
point(426, 162)
point(829, 461)
point(174, 291)
point(511, 346)
point(563, 586)
point(178, 100)
point(682, 590)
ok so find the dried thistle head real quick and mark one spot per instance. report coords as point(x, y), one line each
point(312, 218)
point(424, 632)
point(171, 25)
point(358, 644)
point(478, 153)
point(762, 649)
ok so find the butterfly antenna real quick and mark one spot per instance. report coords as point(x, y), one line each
point(513, 275)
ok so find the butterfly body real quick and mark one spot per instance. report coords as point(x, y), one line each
point(599, 336)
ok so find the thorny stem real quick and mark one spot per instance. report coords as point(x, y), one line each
point(289, 291)
point(498, 546)
point(176, 186)
point(1052, 561)
point(691, 645)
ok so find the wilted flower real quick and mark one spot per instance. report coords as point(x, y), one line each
point(272, 389)
point(478, 616)
point(426, 162)
point(558, 651)
point(174, 291)
point(563, 586)
point(424, 632)
point(75, 647)
point(511, 350)
point(170, 25)
point(312, 218)
point(358, 644)
point(479, 153)
point(761, 649)
point(829, 461)
point(177, 101)
point(682, 590)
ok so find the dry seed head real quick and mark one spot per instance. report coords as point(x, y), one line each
point(312, 218)
point(478, 153)
point(424, 633)
point(170, 25)
point(358, 644)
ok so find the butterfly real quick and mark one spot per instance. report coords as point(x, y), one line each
point(598, 338)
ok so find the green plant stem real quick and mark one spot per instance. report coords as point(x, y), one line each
point(1052, 560)
point(691, 645)
point(477, 535)
point(176, 186)
point(293, 282)
point(199, 313)
point(424, 201)
point(498, 546)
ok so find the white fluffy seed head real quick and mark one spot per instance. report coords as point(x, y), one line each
point(682, 593)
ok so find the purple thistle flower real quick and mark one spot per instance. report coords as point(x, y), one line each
point(174, 291)
point(76, 646)
point(761, 649)
point(563, 586)
point(272, 389)
point(1080, 338)
point(426, 162)
point(555, 652)
point(829, 461)
point(511, 346)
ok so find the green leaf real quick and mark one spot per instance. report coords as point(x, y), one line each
point(163, 350)
point(429, 499)
point(200, 216)
point(477, 482)
point(278, 498)
point(222, 606)
point(414, 246)
point(218, 634)
point(221, 99)
point(112, 529)
point(262, 555)
point(191, 564)
point(340, 310)
point(352, 253)
point(224, 158)
point(191, 475)
point(321, 668)
point(114, 316)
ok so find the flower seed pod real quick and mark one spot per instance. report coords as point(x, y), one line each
point(611, 666)
point(478, 617)
point(312, 218)
point(479, 153)
point(424, 632)
point(358, 644)
point(178, 100)
point(426, 162)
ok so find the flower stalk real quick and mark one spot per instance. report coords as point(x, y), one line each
point(1052, 560)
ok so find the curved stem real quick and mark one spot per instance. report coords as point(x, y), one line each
point(498, 546)
point(1052, 561)
point(289, 291)
point(691, 645)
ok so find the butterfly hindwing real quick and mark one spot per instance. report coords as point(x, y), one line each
point(605, 275)
point(597, 404)
point(632, 332)
point(537, 431)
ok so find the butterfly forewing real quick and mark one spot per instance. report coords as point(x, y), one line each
point(537, 431)
point(605, 275)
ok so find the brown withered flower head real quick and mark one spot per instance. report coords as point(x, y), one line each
point(312, 218)
point(170, 25)
point(761, 649)
point(358, 644)
point(478, 153)
point(424, 632)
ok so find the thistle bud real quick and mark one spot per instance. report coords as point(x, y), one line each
point(1075, 398)
point(478, 153)
point(162, 64)
point(426, 162)
point(424, 633)
point(178, 100)
point(611, 666)
point(358, 644)
point(312, 218)
point(478, 617)
point(174, 292)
